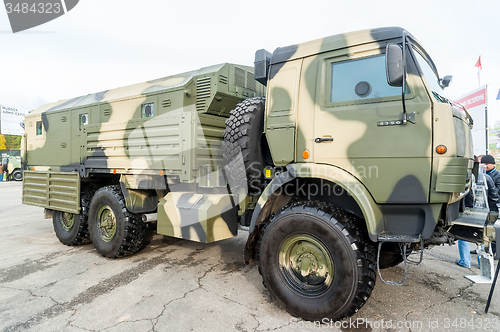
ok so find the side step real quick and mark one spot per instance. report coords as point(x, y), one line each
point(405, 258)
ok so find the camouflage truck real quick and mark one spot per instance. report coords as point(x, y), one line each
point(11, 162)
point(340, 155)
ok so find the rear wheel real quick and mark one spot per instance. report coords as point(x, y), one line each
point(316, 262)
point(72, 229)
point(115, 232)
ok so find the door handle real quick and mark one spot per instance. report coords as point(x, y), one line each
point(323, 139)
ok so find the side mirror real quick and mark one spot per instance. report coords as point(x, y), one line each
point(394, 65)
point(446, 81)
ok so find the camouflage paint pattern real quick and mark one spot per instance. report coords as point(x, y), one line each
point(176, 149)
point(388, 164)
point(393, 164)
point(197, 217)
point(116, 135)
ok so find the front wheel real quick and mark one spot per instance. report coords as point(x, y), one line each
point(17, 175)
point(316, 262)
point(115, 232)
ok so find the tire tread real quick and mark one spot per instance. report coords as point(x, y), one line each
point(357, 236)
point(134, 228)
point(236, 146)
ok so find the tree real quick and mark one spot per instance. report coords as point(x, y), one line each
point(10, 142)
point(3, 142)
point(13, 142)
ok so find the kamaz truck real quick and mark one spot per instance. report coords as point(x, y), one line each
point(340, 155)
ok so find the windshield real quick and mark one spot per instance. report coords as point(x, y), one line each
point(430, 77)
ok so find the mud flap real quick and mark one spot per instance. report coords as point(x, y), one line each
point(197, 217)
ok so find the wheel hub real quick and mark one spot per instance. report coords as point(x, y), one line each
point(306, 264)
point(67, 221)
point(106, 223)
point(306, 267)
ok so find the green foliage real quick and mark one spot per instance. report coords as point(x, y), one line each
point(10, 142)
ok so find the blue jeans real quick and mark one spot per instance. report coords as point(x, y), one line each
point(1, 177)
point(464, 251)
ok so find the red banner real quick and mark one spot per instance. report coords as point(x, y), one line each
point(477, 98)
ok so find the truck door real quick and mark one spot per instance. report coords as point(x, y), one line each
point(357, 127)
point(79, 120)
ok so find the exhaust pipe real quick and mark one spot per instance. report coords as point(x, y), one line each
point(150, 217)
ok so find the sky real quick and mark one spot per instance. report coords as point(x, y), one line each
point(104, 44)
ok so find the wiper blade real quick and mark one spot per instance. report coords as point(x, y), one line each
point(440, 98)
point(446, 100)
point(469, 117)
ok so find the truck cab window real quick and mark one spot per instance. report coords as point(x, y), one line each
point(430, 77)
point(360, 79)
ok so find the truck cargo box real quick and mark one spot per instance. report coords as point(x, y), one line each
point(170, 126)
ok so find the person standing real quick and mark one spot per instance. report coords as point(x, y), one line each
point(491, 170)
point(494, 173)
point(493, 198)
point(1, 172)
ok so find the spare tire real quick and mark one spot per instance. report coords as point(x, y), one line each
point(243, 146)
point(5, 162)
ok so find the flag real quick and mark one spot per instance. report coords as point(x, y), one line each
point(478, 64)
point(479, 68)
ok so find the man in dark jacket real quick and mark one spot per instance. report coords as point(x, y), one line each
point(491, 170)
point(493, 198)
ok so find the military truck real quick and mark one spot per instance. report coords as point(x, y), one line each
point(11, 162)
point(341, 156)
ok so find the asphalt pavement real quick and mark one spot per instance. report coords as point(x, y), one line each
point(177, 285)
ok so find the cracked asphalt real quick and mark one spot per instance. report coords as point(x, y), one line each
point(176, 285)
